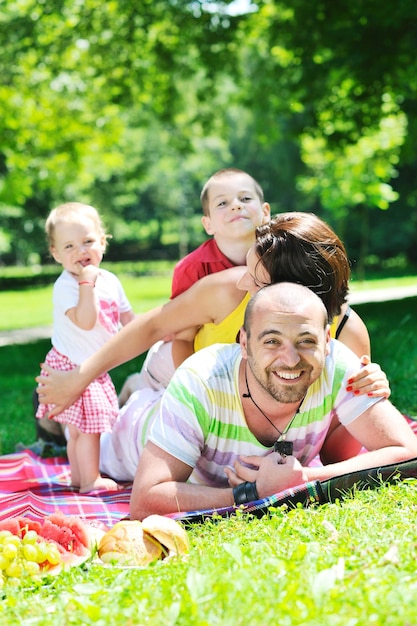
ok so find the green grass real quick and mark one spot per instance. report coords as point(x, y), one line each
point(350, 563)
point(382, 283)
point(391, 327)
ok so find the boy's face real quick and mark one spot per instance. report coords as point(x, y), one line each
point(235, 209)
point(77, 244)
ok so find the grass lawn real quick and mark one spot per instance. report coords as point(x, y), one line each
point(349, 564)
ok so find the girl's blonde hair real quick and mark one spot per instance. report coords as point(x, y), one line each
point(71, 212)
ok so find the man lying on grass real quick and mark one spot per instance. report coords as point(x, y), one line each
point(241, 423)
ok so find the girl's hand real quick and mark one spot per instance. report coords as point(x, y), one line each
point(369, 380)
point(88, 273)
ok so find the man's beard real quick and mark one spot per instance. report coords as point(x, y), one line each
point(281, 392)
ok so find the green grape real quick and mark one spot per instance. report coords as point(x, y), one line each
point(10, 551)
point(25, 557)
point(4, 534)
point(30, 552)
point(32, 568)
point(3, 562)
point(42, 552)
point(15, 569)
point(53, 554)
point(30, 537)
point(13, 540)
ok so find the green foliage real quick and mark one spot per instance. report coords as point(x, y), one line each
point(131, 107)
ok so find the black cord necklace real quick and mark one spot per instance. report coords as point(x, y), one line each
point(284, 448)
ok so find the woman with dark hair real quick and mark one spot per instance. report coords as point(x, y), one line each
point(302, 248)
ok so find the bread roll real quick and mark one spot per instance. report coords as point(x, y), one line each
point(127, 544)
point(168, 532)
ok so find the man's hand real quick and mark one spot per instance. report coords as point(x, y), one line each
point(369, 380)
point(272, 473)
point(58, 388)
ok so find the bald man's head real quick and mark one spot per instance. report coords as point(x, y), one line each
point(285, 341)
point(289, 298)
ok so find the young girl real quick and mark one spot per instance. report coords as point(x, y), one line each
point(89, 305)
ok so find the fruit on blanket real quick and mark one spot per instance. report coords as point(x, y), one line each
point(70, 533)
point(26, 556)
point(132, 542)
point(32, 548)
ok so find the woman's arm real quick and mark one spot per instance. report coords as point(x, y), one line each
point(196, 306)
point(183, 345)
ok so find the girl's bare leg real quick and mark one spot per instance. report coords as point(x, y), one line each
point(87, 452)
point(72, 456)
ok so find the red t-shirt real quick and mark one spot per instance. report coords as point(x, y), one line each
point(206, 259)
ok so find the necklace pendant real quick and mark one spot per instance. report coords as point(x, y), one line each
point(284, 448)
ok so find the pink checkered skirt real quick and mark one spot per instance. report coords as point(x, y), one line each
point(96, 409)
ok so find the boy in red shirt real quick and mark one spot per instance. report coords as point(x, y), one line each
point(233, 206)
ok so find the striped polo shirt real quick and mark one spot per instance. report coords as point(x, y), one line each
point(201, 420)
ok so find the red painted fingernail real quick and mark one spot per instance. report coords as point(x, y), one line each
point(350, 380)
point(349, 388)
point(356, 392)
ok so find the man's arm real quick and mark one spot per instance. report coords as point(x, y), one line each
point(381, 429)
point(160, 487)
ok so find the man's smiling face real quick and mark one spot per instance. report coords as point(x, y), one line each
point(287, 343)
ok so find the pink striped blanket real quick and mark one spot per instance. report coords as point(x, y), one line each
point(36, 487)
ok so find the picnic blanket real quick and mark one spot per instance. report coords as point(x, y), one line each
point(36, 487)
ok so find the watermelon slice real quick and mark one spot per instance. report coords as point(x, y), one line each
point(19, 525)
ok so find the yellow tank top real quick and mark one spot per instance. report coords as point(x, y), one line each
point(333, 327)
point(225, 332)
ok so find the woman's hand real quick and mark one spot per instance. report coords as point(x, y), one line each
point(60, 389)
point(369, 380)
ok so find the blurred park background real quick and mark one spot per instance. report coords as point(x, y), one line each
point(131, 106)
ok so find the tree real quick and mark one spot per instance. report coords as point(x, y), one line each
point(133, 105)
